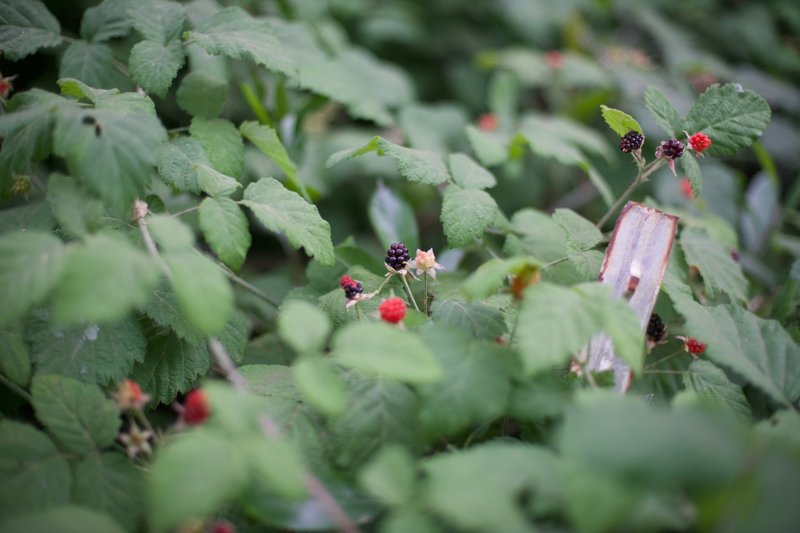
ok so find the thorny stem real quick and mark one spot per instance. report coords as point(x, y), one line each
point(665, 358)
point(315, 488)
point(187, 210)
point(425, 294)
point(150, 244)
point(408, 290)
point(19, 391)
point(640, 178)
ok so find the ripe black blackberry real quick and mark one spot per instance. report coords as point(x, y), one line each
point(631, 141)
point(671, 148)
point(655, 328)
point(397, 255)
point(351, 291)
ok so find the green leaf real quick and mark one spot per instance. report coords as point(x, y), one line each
point(114, 153)
point(222, 143)
point(555, 322)
point(107, 20)
point(33, 216)
point(110, 99)
point(475, 387)
point(202, 290)
point(366, 85)
point(266, 139)
point(170, 233)
point(732, 117)
point(281, 210)
point(28, 139)
point(188, 481)
point(691, 167)
point(172, 366)
point(390, 475)
point(759, 350)
point(710, 383)
point(225, 229)
point(721, 274)
point(418, 166)
point(580, 232)
point(379, 349)
point(215, 184)
point(619, 121)
point(156, 20)
point(303, 326)
point(234, 33)
point(491, 276)
point(665, 115)
point(392, 218)
point(103, 279)
point(489, 149)
point(202, 95)
point(319, 383)
point(15, 359)
point(25, 27)
point(154, 66)
point(35, 475)
point(466, 213)
point(480, 320)
point(30, 266)
point(562, 139)
point(64, 519)
point(89, 62)
point(469, 174)
point(378, 412)
point(478, 489)
point(112, 484)
point(77, 211)
point(95, 354)
point(77, 414)
point(177, 162)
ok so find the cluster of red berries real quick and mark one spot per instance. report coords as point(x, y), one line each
point(392, 310)
point(351, 287)
point(695, 347)
point(196, 408)
point(699, 142)
point(397, 255)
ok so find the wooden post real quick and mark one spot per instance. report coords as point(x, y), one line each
point(634, 265)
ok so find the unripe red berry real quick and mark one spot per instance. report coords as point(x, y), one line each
point(392, 310)
point(699, 142)
point(686, 189)
point(196, 408)
point(695, 347)
point(487, 122)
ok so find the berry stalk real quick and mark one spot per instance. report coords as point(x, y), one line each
point(641, 177)
point(408, 291)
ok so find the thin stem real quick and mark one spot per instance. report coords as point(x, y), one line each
point(120, 67)
point(589, 377)
point(665, 358)
point(19, 391)
point(408, 290)
point(673, 372)
point(187, 210)
point(150, 245)
point(425, 294)
point(247, 286)
point(514, 327)
point(358, 313)
point(553, 263)
point(271, 430)
point(640, 178)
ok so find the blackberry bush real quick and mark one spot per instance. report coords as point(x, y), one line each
point(631, 141)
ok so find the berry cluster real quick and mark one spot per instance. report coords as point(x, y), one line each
point(655, 328)
point(671, 149)
point(392, 310)
point(397, 255)
point(695, 347)
point(699, 142)
point(351, 287)
point(196, 408)
point(631, 141)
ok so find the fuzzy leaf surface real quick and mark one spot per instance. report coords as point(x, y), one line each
point(226, 230)
point(281, 210)
point(710, 383)
point(25, 27)
point(466, 213)
point(721, 274)
point(154, 65)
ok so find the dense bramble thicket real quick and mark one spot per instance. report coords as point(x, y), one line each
point(219, 310)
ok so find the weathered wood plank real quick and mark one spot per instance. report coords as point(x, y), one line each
point(634, 265)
